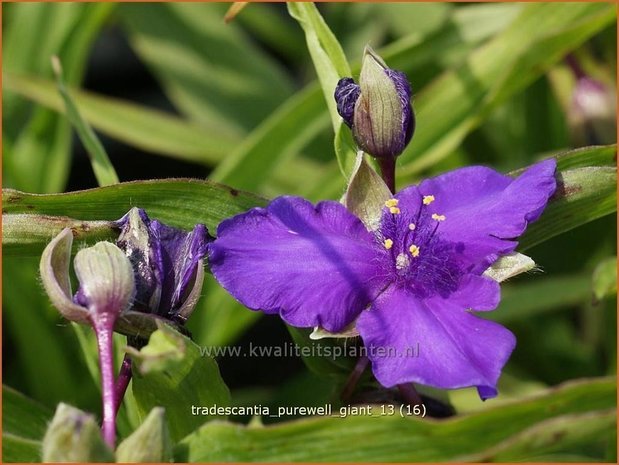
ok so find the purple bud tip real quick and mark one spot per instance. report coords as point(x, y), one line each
point(346, 95)
point(404, 91)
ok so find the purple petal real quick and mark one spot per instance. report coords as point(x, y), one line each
point(478, 293)
point(485, 210)
point(165, 260)
point(315, 265)
point(433, 342)
point(403, 89)
point(136, 241)
point(346, 95)
point(180, 254)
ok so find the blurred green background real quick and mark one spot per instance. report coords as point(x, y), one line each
point(173, 91)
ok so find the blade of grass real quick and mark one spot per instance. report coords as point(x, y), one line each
point(409, 439)
point(180, 203)
point(147, 129)
point(101, 164)
point(38, 157)
point(331, 65)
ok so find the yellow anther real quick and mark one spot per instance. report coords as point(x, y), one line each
point(412, 226)
point(394, 210)
point(437, 217)
point(388, 244)
point(414, 250)
point(391, 203)
point(428, 199)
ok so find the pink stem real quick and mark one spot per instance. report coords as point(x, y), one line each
point(104, 329)
point(353, 378)
point(124, 376)
point(410, 394)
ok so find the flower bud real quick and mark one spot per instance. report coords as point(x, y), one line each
point(105, 275)
point(74, 436)
point(168, 264)
point(378, 109)
point(151, 442)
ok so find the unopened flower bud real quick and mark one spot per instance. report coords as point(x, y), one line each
point(105, 275)
point(74, 436)
point(168, 264)
point(151, 442)
point(378, 109)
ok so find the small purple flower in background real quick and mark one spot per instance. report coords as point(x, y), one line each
point(378, 109)
point(592, 111)
point(153, 272)
point(410, 282)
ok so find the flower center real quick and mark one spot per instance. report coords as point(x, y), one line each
point(420, 259)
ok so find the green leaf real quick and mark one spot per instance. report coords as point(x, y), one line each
point(564, 434)
point(144, 128)
point(278, 138)
point(523, 301)
point(26, 232)
point(171, 372)
point(180, 203)
point(210, 70)
point(330, 64)
point(583, 195)
point(101, 164)
point(605, 278)
point(326, 52)
point(459, 100)
point(395, 439)
point(43, 352)
point(24, 422)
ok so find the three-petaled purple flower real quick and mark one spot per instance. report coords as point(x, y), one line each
point(410, 283)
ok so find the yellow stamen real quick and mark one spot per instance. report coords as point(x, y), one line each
point(412, 226)
point(437, 217)
point(394, 210)
point(388, 244)
point(414, 250)
point(391, 203)
point(428, 199)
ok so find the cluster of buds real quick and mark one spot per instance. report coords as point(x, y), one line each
point(153, 272)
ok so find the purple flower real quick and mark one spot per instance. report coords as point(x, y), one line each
point(166, 262)
point(592, 112)
point(378, 110)
point(410, 283)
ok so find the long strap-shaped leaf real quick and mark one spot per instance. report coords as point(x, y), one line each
point(556, 421)
point(585, 193)
point(31, 220)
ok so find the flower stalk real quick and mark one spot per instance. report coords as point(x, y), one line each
point(387, 171)
point(104, 329)
point(154, 272)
